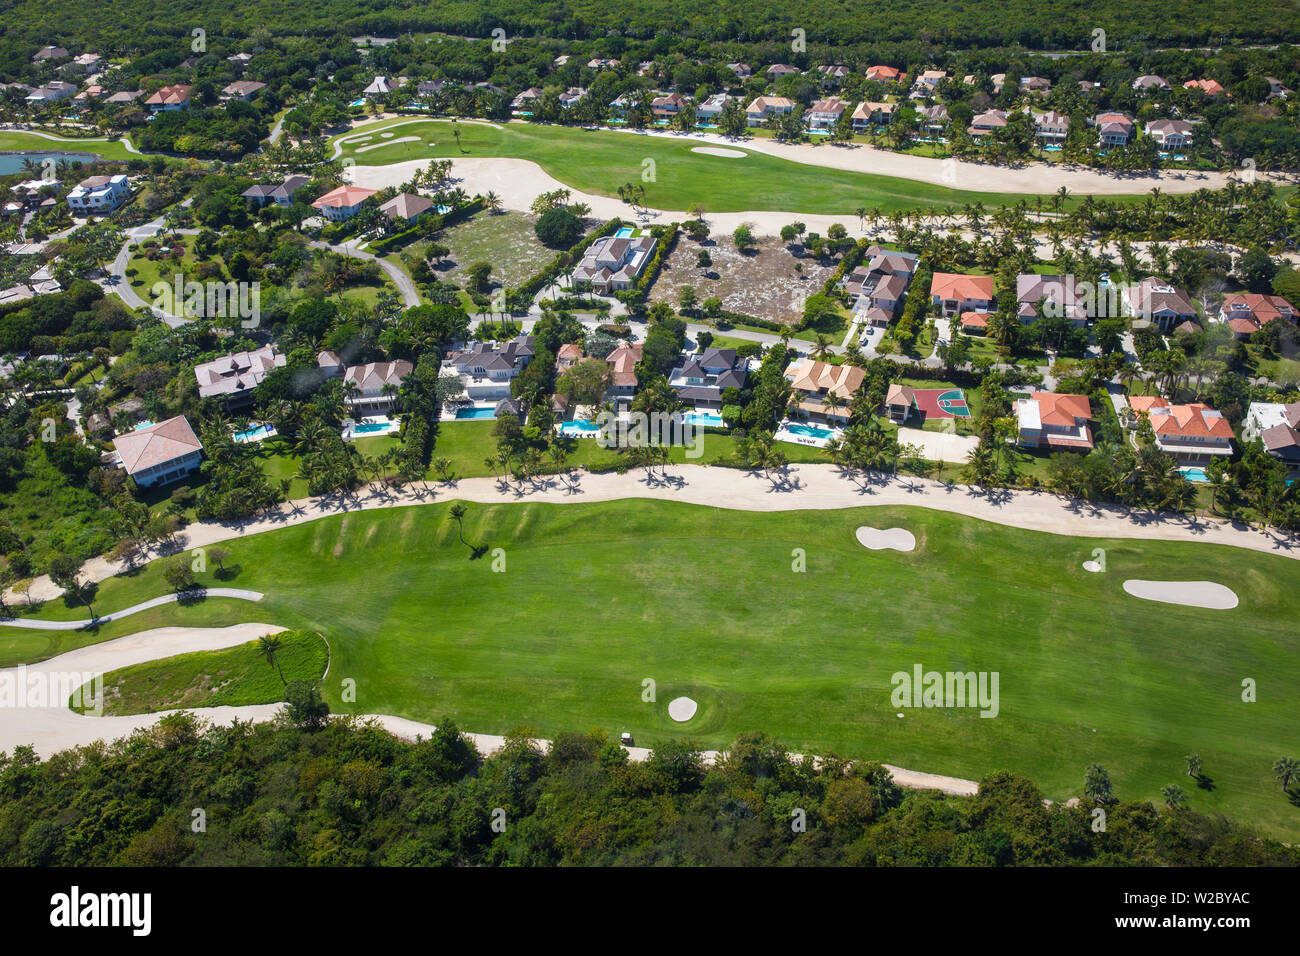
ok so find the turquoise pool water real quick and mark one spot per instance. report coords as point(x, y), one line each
point(703, 420)
point(475, 413)
point(256, 433)
point(623, 233)
point(810, 431)
point(580, 428)
point(144, 424)
point(372, 428)
point(1195, 474)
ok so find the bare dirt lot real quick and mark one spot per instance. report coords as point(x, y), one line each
point(769, 284)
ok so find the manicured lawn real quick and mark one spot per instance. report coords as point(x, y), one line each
point(596, 598)
point(599, 161)
point(468, 443)
point(19, 142)
point(230, 678)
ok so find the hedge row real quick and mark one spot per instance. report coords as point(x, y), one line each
point(440, 221)
point(521, 299)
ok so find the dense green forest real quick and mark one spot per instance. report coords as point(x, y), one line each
point(1040, 24)
point(343, 794)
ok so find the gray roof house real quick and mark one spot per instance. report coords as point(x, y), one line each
point(612, 263)
point(700, 379)
point(278, 193)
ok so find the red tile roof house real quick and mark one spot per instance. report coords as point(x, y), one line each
point(1208, 87)
point(1113, 129)
point(975, 323)
point(885, 74)
point(1193, 434)
point(956, 293)
point(170, 98)
point(1247, 312)
point(778, 70)
point(568, 356)
point(233, 377)
point(159, 453)
point(1049, 420)
point(370, 389)
point(1035, 84)
point(1170, 133)
point(343, 203)
point(824, 114)
point(1058, 296)
point(1157, 301)
point(765, 106)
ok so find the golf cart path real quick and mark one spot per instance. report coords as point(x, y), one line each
point(51, 729)
point(38, 625)
point(807, 487)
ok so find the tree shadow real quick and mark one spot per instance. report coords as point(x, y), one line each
point(1204, 782)
point(228, 573)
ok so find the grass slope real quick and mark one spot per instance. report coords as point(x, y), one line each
point(599, 161)
point(229, 678)
point(597, 598)
point(14, 141)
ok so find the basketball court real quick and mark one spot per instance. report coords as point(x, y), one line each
point(941, 403)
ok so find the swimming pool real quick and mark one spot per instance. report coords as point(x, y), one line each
point(475, 413)
point(374, 428)
point(578, 428)
point(810, 431)
point(256, 433)
point(1195, 474)
point(703, 419)
point(623, 233)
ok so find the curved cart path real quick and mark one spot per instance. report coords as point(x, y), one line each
point(39, 625)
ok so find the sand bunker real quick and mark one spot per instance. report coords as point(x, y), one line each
point(391, 142)
point(1205, 594)
point(682, 709)
point(719, 151)
point(877, 539)
point(386, 135)
point(1093, 566)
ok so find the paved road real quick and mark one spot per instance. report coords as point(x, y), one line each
point(38, 625)
point(410, 296)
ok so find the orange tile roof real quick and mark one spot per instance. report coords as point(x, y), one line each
point(951, 285)
point(170, 95)
point(1057, 409)
point(1190, 421)
point(1144, 403)
point(344, 196)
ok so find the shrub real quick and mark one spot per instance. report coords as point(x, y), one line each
point(558, 228)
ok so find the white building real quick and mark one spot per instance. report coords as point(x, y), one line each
point(98, 194)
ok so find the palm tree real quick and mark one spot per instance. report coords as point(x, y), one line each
point(1286, 769)
point(821, 347)
point(493, 201)
point(269, 647)
point(1193, 765)
point(1175, 798)
point(457, 514)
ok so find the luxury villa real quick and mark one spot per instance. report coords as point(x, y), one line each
point(1193, 434)
point(613, 262)
point(159, 453)
point(487, 368)
point(1051, 420)
point(823, 392)
point(233, 377)
point(371, 387)
point(701, 379)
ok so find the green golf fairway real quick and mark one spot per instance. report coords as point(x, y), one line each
point(599, 161)
point(594, 599)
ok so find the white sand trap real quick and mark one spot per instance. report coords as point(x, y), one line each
point(391, 142)
point(386, 135)
point(719, 151)
point(682, 709)
point(877, 539)
point(359, 139)
point(1093, 566)
point(1205, 594)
